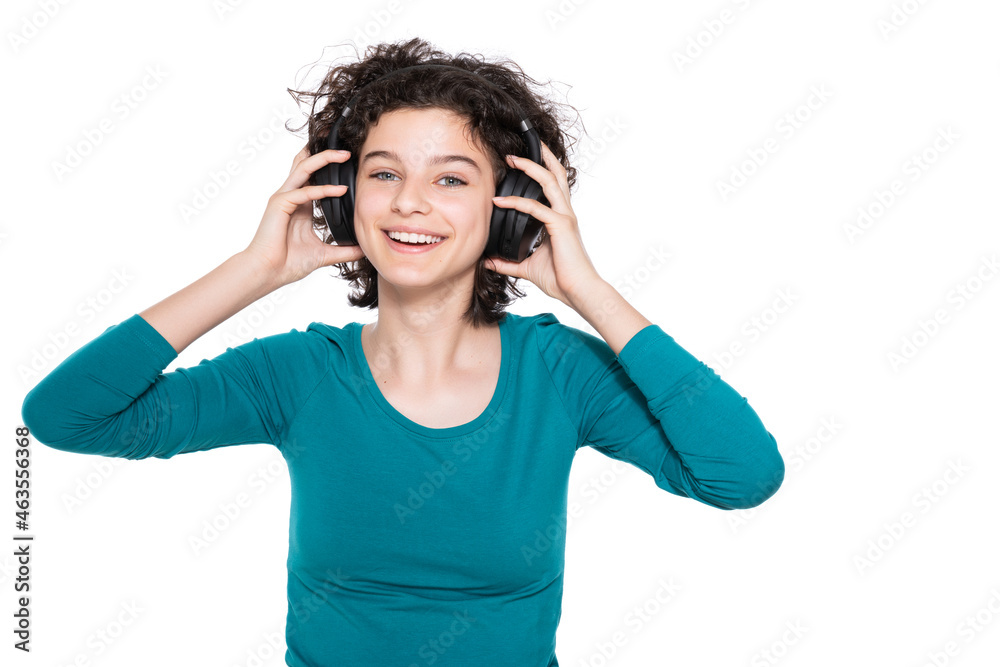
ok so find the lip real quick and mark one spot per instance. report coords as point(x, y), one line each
point(411, 230)
point(406, 248)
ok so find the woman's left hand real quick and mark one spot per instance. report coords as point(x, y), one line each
point(560, 266)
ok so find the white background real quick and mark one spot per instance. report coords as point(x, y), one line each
point(862, 437)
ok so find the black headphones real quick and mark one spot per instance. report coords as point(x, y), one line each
point(513, 234)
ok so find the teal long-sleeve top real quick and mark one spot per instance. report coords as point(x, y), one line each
point(408, 545)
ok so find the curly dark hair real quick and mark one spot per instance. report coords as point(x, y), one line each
point(491, 118)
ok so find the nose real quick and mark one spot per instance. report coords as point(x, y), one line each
point(411, 197)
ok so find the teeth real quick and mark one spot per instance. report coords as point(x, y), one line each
point(414, 238)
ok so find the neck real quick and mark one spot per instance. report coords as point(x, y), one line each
point(421, 335)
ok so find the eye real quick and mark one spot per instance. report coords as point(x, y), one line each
point(456, 181)
point(452, 181)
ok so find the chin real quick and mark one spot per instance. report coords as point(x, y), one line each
point(416, 275)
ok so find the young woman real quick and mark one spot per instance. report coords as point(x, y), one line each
point(429, 452)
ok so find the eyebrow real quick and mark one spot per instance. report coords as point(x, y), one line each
point(434, 160)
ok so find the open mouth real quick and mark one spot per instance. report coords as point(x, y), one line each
point(414, 240)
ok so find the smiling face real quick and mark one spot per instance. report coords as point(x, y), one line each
point(420, 172)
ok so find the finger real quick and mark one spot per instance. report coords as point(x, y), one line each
point(300, 156)
point(553, 164)
point(289, 200)
point(305, 167)
point(337, 254)
point(555, 192)
point(535, 209)
point(504, 267)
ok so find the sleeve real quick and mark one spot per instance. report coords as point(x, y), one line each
point(110, 397)
point(657, 407)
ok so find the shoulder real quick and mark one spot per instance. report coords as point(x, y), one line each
point(559, 343)
point(328, 334)
point(335, 341)
point(319, 343)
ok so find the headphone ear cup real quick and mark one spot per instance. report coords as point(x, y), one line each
point(498, 225)
point(527, 229)
point(322, 177)
point(348, 177)
point(338, 211)
point(514, 234)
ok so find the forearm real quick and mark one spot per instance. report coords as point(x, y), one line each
point(717, 448)
point(711, 445)
point(185, 316)
point(609, 313)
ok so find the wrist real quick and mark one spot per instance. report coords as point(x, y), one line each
point(611, 315)
point(261, 275)
point(589, 292)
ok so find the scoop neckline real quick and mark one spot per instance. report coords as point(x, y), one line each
point(440, 433)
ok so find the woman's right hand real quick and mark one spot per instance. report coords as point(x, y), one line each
point(285, 242)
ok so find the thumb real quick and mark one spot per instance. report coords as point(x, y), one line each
point(503, 266)
point(337, 254)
